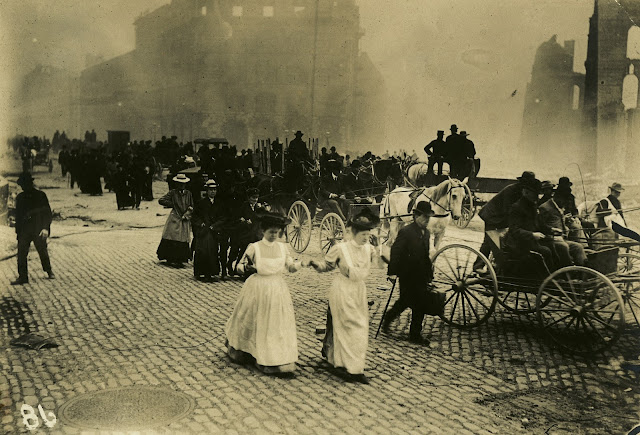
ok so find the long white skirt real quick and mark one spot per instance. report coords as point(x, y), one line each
point(263, 323)
point(347, 338)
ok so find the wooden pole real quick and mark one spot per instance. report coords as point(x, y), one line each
point(282, 167)
point(268, 156)
point(260, 165)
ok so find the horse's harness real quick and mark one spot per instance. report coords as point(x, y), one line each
point(447, 211)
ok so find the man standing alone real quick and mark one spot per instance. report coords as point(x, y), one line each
point(33, 223)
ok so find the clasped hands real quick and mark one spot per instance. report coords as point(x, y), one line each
point(44, 234)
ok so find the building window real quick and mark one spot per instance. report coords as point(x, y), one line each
point(633, 43)
point(203, 11)
point(575, 103)
point(267, 11)
point(630, 90)
point(236, 11)
point(298, 9)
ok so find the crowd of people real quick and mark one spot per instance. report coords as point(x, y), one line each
point(246, 241)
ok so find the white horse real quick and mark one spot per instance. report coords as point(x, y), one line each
point(445, 199)
point(417, 171)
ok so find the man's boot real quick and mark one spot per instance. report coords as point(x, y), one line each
point(20, 281)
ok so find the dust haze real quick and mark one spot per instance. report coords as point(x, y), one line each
point(443, 61)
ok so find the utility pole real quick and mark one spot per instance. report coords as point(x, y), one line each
point(313, 71)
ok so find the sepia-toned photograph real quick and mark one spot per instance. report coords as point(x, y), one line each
point(320, 217)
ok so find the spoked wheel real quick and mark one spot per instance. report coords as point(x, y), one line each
point(629, 289)
point(584, 312)
point(299, 230)
point(515, 298)
point(628, 281)
point(468, 209)
point(470, 299)
point(629, 264)
point(332, 231)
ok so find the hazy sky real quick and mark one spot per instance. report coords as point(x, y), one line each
point(444, 61)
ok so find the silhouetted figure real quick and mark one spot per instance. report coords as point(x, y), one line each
point(436, 150)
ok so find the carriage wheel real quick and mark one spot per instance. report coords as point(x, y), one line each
point(629, 264)
point(628, 268)
point(584, 312)
point(332, 231)
point(468, 210)
point(469, 299)
point(299, 230)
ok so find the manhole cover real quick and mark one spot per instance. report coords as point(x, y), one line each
point(132, 408)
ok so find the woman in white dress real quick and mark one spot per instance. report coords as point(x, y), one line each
point(262, 326)
point(347, 336)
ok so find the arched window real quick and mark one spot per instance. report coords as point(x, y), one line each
point(630, 90)
point(633, 43)
point(575, 103)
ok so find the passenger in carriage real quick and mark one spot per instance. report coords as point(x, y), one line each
point(552, 224)
point(496, 213)
point(333, 196)
point(609, 209)
point(524, 233)
point(547, 191)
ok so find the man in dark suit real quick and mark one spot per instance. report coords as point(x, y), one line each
point(455, 151)
point(411, 263)
point(247, 229)
point(208, 221)
point(436, 152)
point(495, 213)
point(33, 224)
point(524, 233)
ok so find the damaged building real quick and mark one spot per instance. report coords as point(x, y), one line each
point(243, 69)
point(590, 119)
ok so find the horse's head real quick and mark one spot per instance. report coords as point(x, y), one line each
point(449, 196)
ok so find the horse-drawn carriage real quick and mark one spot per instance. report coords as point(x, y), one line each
point(369, 182)
point(583, 309)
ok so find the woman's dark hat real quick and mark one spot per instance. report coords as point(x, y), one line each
point(25, 179)
point(423, 208)
point(271, 220)
point(364, 220)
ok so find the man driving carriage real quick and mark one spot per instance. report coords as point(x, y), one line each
point(524, 236)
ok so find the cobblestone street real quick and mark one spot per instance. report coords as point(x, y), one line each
point(122, 320)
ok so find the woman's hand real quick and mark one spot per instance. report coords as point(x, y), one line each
point(344, 269)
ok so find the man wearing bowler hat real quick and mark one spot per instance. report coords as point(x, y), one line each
point(33, 224)
point(410, 262)
point(495, 213)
